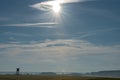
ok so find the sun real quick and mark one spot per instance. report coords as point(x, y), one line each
point(56, 7)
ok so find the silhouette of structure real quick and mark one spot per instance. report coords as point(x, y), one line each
point(17, 71)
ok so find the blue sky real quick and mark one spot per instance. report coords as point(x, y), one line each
point(83, 37)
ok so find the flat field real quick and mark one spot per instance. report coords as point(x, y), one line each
point(53, 78)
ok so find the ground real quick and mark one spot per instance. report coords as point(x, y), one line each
point(53, 78)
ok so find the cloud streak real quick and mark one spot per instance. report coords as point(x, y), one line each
point(46, 5)
point(47, 25)
point(62, 46)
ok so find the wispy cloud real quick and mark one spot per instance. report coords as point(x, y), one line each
point(60, 53)
point(68, 44)
point(56, 49)
point(71, 1)
point(46, 5)
point(48, 25)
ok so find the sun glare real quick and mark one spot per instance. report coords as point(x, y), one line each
point(56, 6)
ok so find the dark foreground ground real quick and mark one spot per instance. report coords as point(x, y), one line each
point(53, 78)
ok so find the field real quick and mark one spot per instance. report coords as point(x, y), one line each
point(53, 78)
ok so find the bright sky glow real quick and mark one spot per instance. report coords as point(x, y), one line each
point(56, 7)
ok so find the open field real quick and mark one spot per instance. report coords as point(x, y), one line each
point(53, 78)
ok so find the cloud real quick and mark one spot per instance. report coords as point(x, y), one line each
point(71, 1)
point(68, 54)
point(76, 45)
point(50, 50)
point(46, 5)
point(47, 25)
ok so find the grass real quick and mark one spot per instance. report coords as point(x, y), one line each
point(53, 78)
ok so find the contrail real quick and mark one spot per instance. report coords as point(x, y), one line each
point(48, 25)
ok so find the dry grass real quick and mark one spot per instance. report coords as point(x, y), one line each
point(53, 78)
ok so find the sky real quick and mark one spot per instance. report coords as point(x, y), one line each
point(82, 37)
